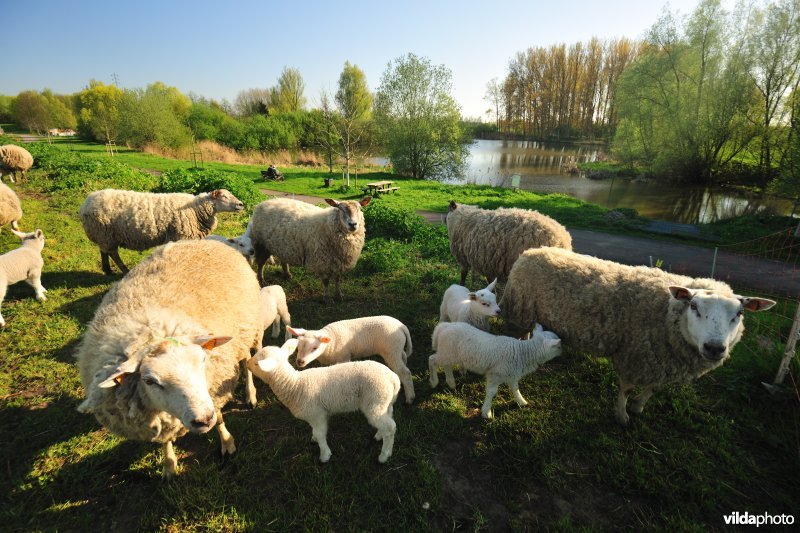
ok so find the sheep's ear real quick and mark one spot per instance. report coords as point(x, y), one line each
point(209, 342)
point(39, 233)
point(538, 328)
point(756, 304)
point(19, 234)
point(290, 346)
point(267, 365)
point(490, 287)
point(453, 206)
point(364, 202)
point(681, 293)
point(472, 296)
point(331, 202)
point(216, 193)
point(297, 332)
point(129, 366)
point(552, 343)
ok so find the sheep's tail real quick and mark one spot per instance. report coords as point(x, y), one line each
point(407, 348)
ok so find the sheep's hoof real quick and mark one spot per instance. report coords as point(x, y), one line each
point(41, 297)
point(324, 457)
point(488, 414)
point(623, 419)
point(636, 407)
point(169, 473)
point(383, 458)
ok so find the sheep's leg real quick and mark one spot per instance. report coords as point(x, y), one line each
point(491, 390)
point(226, 441)
point(249, 387)
point(622, 402)
point(396, 365)
point(448, 376)
point(514, 385)
point(35, 281)
point(287, 321)
point(339, 295)
point(3, 289)
point(105, 263)
point(432, 371)
point(286, 273)
point(386, 429)
point(170, 461)
point(319, 432)
point(464, 272)
point(276, 327)
point(260, 260)
point(118, 260)
point(637, 405)
point(325, 286)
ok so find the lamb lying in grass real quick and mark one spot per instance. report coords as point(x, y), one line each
point(500, 359)
point(23, 264)
point(315, 394)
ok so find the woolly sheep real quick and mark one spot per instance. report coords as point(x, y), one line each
point(656, 327)
point(274, 310)
point(10, 208)
point(23, 264)
point(461, 305)
point(315, 394)
point(358, 338)
point(138, 220)
point(326, 241)
point(14, 159)
point(241, 244)
point(161, 355)
point(490, 240)
point(500, 359)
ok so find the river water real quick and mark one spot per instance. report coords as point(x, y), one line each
point(538, 166)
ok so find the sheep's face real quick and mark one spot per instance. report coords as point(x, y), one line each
point(310, 344)
point(270, 358)
point(349, 216)
point(243, 245)
point(484, 301)
point(225, 201)
point(712, 321)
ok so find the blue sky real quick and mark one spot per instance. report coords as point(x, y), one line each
point(216, 49)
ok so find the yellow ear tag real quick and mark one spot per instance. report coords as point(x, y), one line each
point(210, 344)
point(118, 379)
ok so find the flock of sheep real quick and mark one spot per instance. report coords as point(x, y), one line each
point(162, 355)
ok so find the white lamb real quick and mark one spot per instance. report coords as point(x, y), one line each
point(23, 264)
point(315, 394)
point(459, 304)
point(241, 244)
point(274, 309)
point(500, 359)
point(358, 338)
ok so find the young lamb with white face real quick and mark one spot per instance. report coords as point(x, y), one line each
point(500, 359)
point(459, 304)
point(315, 394)
point(23, 264)
point(358, 338)
point(241, 244)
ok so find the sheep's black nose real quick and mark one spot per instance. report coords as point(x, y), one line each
point(353, 226)
point(714, 350)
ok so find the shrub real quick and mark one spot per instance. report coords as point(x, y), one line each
point(197, 180)
point(404, 225)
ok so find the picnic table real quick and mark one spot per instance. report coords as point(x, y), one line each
point(378, 187)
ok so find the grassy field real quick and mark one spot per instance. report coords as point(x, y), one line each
point(697, 453)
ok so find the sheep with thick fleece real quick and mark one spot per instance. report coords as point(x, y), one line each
point(23, 264)
point(140, 220)
point(10, 207)
point(459, 304)
point(358, 338)
point(241, 244)
point(161, 355)
point(490, 240)
point(327, 242)
point(14, 159)
point(500, 359)
point(656, 327)
point(274, 310)
point(315, 394)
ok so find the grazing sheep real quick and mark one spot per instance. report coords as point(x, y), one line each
point(490, 240)
point(161, 355)
point(241, 244)
point(358, 338)
point(274, 309)
point(656, 327)
point(139, 220)
point(315, 394)
point(10, 208)
point(14, 159)
point(500, 359)
point(327, 241)
point(23, 264)
point(461, 305)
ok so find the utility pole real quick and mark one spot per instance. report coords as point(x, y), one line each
point(115, 78)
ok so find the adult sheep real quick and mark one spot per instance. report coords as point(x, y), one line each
point(657, 328)
point(161, 355)
point(490, 240)
point(139, 220)
point(326, 241)
point(14, 159)
point(10, 208)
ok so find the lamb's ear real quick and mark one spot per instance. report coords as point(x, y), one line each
point(490, 287)
point(39, 234)
point(472, 296)
point(681, 293)
point(290, 346)
point(209, 342)
point(297, 332)
point(453, 205)
point(756, 304)
point(128, 366)
point(538, 328)
point(331, 202)
point(364, 202)
point(551, 343)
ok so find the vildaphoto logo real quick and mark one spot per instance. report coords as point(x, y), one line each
point(765, 519)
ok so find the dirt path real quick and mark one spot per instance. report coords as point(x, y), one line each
point(767, 276)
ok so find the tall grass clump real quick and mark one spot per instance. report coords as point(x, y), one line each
point(404, 225)
point(197, 180)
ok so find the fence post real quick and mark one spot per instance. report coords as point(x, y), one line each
point(791, 343)
point(714, 262)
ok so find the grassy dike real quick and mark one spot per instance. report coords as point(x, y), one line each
point(697, 453)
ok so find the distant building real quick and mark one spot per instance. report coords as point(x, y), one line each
point(55, 132)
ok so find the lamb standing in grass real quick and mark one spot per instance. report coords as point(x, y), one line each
point(10, 208)
point(14, 159)
point(161, 355)
point(327, 242)
point(315, 394)
point(656, 327)
point(358, 338)
point(475, 308)
point(274, 310)
point(23, 264)
point(490, 240)
point(500, 359)
point(139, 220)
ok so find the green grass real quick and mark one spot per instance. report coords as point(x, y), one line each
point(698, 452)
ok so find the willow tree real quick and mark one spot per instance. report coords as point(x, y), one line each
point(418, 121)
